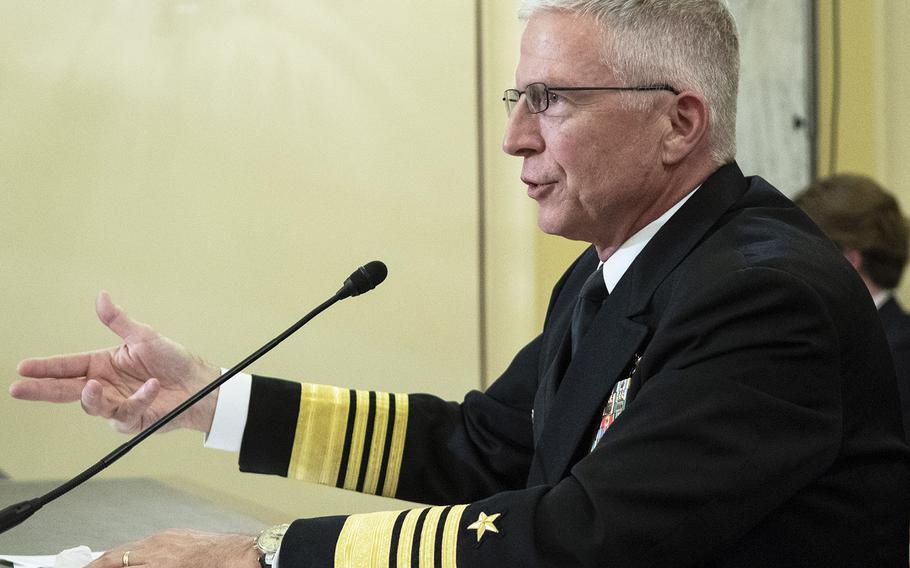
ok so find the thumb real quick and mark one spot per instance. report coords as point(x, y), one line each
point(128, 416)
point(114, 317)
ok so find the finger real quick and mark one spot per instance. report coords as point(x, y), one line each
point(71, 365)
point(116, 558)
point(93, 402)
point(59, 390)
point(130, 412)
point(131, 558)
point(116, 319)
point(107, 560)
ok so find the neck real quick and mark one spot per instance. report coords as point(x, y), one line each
point(873, 289)
point(679, 186)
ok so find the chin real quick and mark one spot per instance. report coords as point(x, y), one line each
point(549, 227)
point(556, 225)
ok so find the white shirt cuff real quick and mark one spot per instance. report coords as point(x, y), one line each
point(230, 413)
point(275, 560)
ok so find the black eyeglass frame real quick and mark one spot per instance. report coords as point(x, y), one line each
point(511, 103)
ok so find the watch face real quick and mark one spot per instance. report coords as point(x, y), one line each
point(270, 538)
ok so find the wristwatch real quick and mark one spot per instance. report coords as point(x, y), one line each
point(268, 542)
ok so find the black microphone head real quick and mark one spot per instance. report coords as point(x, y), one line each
point(364, 279)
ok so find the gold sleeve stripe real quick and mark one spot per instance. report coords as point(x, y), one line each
point(366, 540)
point(386, 444)
point(348, 435)
point(320, 436)
point(419, 538)
point(357, 439)
point(396, 448)
point(376, 455)
point(449, 543)
point(350, 439)
point(406, 538)
point(428, 537)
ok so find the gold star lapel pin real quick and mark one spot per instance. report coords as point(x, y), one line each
point(484, 523)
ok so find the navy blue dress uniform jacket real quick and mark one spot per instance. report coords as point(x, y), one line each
point(743, 392)
point(897, 329)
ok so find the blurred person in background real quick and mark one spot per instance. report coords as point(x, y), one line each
point(867, 224)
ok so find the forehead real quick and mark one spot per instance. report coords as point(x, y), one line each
point(561, 48)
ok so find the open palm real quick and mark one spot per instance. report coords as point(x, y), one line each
point(132, 384)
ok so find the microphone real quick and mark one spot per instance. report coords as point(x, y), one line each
point(359, 282)
point(364, 279)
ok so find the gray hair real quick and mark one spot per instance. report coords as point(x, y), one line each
point(689, 44)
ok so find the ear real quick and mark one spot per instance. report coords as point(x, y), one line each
point(855, 258)
point(688, 127)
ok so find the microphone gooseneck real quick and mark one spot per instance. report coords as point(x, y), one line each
point(361, 281)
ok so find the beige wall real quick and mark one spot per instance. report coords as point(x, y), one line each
point(859, 143)
point(510, 255)
point(220, 168)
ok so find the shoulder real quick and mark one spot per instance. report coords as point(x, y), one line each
point(763, 254)
point(765, 230)
point(897, 325)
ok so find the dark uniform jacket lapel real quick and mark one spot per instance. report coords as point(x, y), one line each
point(565, 414)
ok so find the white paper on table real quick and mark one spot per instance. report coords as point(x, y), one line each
point(30, 561)
point(71, 558)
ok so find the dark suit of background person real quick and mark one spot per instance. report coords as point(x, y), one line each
point(897, 329)
point(760, 426)
point(866, 223)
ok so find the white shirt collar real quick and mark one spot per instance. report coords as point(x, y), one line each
point(881, 298)
point(622, 258)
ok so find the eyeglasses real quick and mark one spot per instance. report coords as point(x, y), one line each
point(539, 95)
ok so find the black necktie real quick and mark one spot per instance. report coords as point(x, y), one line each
point(589, 300)
point(591, 297)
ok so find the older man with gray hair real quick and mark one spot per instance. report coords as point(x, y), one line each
point(710, 388)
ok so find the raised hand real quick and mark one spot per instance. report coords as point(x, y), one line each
point(132, 384)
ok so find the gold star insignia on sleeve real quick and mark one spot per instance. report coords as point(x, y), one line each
point(484, 523)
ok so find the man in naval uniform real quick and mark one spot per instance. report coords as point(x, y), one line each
point(711, 386)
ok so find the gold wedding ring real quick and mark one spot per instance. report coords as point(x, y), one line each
point(126, 558)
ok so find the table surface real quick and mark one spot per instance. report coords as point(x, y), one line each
point(105, 513)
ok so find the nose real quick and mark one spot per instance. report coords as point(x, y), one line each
point(522, 137)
